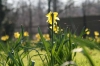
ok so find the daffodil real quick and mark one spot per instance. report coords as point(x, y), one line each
point(98, 40)
point(26, 34)
point(37, 37)
point(4, 38)
point(87, 31)
point(16, 34)
point(7, 37)
point(96, 33)
point(49, 15)
point(96, 36)
point(55, 28)
point(46, 36)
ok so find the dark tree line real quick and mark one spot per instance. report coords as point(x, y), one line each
point(2, 13)
point(6, 26)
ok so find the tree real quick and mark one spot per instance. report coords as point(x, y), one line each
point(6, 26)
point(49, 7)
point(2, 13)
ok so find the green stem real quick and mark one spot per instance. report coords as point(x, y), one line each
point(52, 59)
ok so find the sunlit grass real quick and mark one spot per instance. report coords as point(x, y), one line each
point(80, 59)
point(35, 58)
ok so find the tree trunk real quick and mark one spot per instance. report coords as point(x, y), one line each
point(54, 5)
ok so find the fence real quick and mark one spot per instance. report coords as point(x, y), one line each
point(77, 23)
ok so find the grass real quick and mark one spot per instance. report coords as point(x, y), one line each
point(80, 59)
point(37, 59)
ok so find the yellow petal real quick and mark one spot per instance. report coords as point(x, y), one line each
point(96, 33)
point(26, 33)
point(16, 34)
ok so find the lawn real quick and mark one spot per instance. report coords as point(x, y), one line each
point(80, 59)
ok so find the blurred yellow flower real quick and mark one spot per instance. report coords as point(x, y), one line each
point(26, 33)
point(49, 15)
point(90, 38)
point(96, 33)
point(98, 40)
point(46, 36)
point(16, 34)
point(7, 37)
point(87, 31)
point(4, 38)
point(37, 37)
point(55, 28)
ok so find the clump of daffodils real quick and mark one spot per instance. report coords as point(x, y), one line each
point(38, 38)
point(52, 16)
point(17, 34)
point(4, 38)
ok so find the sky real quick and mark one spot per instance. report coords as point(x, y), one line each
point(77, 2)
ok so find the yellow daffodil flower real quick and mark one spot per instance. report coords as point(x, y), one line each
point(49, 15)
point(26, 34)
point(37, 37)
point(4, 38)
point(55, 28)
point(86, 29)
point(16, 34)
point(96, 33)
point(46, 36)
point(7, 37)
point(96, 37)
point(88, 32)
point(98, 40)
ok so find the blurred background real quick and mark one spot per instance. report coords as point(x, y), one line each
point(74, 14)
